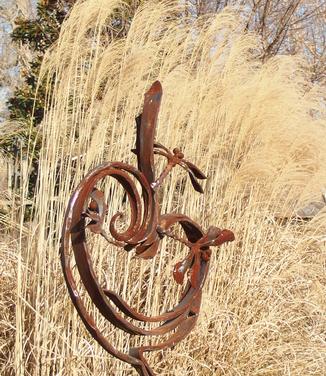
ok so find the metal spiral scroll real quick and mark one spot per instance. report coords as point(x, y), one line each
point(86, 212)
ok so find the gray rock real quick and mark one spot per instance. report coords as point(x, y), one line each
point(313, 208)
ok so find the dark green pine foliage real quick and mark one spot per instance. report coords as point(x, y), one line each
point(28, 101)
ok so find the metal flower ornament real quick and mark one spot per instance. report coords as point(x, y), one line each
point(86, 212)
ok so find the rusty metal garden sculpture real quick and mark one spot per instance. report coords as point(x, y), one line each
point(86, 212)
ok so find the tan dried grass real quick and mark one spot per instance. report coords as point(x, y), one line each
point(258, 133)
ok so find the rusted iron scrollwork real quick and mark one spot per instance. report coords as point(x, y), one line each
point(86, 211)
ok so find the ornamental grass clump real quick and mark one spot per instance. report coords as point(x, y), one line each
point(258, 130)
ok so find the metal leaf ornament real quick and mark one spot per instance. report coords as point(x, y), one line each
point(86, 212)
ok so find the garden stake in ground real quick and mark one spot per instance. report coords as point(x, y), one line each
point(86, 212)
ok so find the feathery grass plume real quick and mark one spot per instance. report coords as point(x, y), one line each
point(259, 135)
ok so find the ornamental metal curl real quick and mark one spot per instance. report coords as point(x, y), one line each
point(86, 212)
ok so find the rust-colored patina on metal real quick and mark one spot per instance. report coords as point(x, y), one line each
point(86, 212)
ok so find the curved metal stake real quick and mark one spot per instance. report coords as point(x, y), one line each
point(86, 211)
